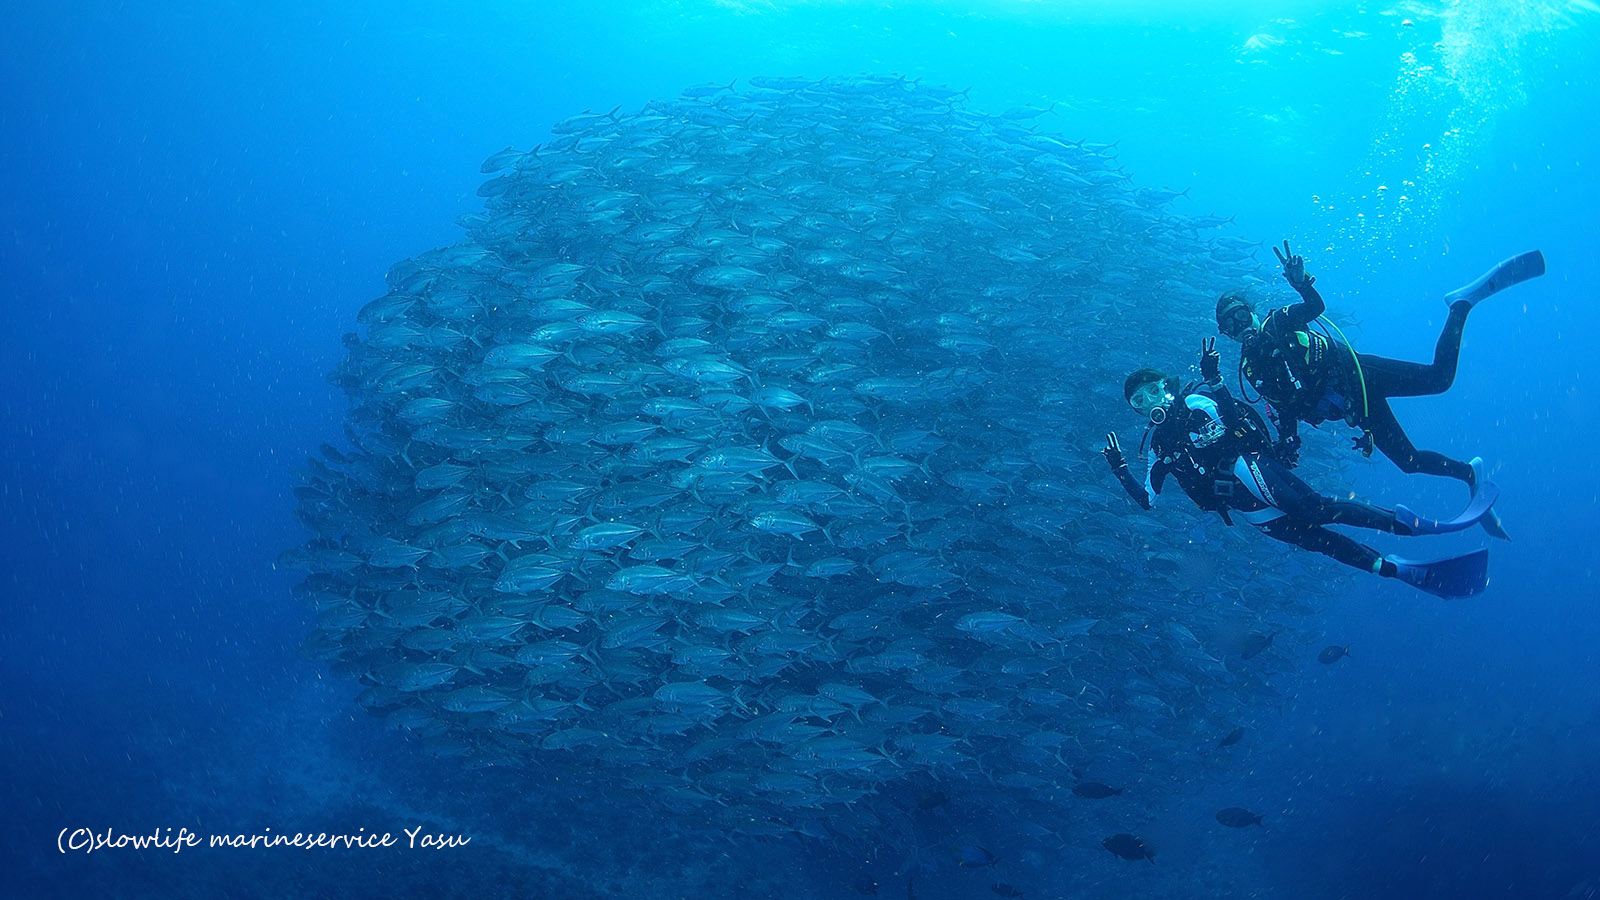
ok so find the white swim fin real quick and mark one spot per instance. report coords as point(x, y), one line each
point(1515, 270)
point(1490, 522)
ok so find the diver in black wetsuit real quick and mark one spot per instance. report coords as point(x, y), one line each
point(1219, 452)
point(1310, 376)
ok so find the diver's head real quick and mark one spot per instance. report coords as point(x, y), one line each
point(1150, 392)
point(1236, 316)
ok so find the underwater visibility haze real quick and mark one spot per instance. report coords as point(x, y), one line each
point(660, 449)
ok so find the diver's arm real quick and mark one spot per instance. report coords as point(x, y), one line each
point(1132, 486)
point(1119, 468)
point(1294, 271)
point(1310, 306)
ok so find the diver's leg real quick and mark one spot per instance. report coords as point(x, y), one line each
point(1300, 501)
point(1390, 438)
point(1460, 576)
point(1447, 351)
point(1385, 377)
point(1309, 536)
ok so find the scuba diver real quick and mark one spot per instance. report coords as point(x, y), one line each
point(1310, 376)
point(1219, 451)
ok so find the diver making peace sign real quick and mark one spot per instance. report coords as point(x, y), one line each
point(1309, 375)
point(1218, 450)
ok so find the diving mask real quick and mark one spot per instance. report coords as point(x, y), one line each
point(1236, 321)
point(1151, 401)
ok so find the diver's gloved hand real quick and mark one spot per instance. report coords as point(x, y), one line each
point(1113, 451)
point(1210, 361)
point(1294, 268)
point(1365, 443)
point(1288, 450)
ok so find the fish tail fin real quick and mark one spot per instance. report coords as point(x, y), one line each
point(787, 463)
point(828, 643)
point(591, 652)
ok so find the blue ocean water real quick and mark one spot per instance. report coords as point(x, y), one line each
point(197, 199)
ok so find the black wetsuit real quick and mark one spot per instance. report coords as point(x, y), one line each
point(1218, 451)
point(1310, 377)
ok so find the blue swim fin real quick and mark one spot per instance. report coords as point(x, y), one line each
point(1515, 270)
point(1450, 578)
point(1482, 501)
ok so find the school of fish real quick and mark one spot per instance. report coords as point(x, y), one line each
point(744, 450)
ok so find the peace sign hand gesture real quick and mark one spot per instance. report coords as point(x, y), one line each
point(1211, 360)
point(1294, 268)
point(1113, 451)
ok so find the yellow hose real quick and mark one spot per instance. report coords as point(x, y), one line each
point(1365, 412)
